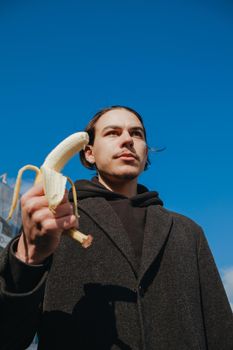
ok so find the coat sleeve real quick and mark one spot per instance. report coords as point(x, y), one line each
point(20, 302)
point(217, 314)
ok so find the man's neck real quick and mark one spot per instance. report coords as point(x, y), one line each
point(127, 187)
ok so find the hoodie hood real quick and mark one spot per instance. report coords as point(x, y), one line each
point(93, 188)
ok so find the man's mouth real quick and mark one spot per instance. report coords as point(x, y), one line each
point(126, 155)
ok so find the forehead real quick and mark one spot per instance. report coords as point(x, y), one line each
point(118, 117)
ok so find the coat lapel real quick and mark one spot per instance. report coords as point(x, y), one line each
point(103, 214)
point(157, 228)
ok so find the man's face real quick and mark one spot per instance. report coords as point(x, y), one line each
point(119, 149)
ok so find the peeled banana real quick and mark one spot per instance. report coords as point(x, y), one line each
point(54, 183)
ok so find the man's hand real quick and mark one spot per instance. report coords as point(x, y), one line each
point(42, 229)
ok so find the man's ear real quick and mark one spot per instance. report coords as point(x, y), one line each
point(88, 152)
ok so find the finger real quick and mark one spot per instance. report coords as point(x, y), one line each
point(35, 190)
point(64, 223)
point(45, 213)
point(64, 209)
point(38, 190)
point(31, 204)
point(35, 199)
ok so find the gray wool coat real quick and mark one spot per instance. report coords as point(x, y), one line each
point(96, 298)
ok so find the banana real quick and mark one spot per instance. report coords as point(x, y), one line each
point(54, 183)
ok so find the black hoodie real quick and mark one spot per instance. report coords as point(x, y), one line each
point(131, 211)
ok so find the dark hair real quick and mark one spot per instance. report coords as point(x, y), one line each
point(90, 129)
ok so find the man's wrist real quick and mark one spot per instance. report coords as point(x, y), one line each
point(22, 276)
point(27, 254)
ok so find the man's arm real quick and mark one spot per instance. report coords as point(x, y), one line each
point(21, 296)
point(24, 267)
point(217, 314)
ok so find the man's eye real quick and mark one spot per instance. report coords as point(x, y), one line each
point(112, 132)
point(137, 134)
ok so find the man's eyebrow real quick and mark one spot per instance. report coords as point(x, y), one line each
point(111, 127)
point(119, 127)
point(139, 128)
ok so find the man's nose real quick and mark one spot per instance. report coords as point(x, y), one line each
point(127, 138)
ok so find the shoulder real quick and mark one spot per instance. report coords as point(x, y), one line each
point(183, 223)
point(186, 232)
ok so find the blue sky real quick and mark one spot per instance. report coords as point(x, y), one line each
point(61, 61)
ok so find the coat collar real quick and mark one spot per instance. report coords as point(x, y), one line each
point(102, 213)
point(157, 227)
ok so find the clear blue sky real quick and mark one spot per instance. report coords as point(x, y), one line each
point(60, 61)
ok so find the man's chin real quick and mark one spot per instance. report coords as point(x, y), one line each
point(125, 175)
point(120, 174)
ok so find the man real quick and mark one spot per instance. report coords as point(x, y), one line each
point(148, 281)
